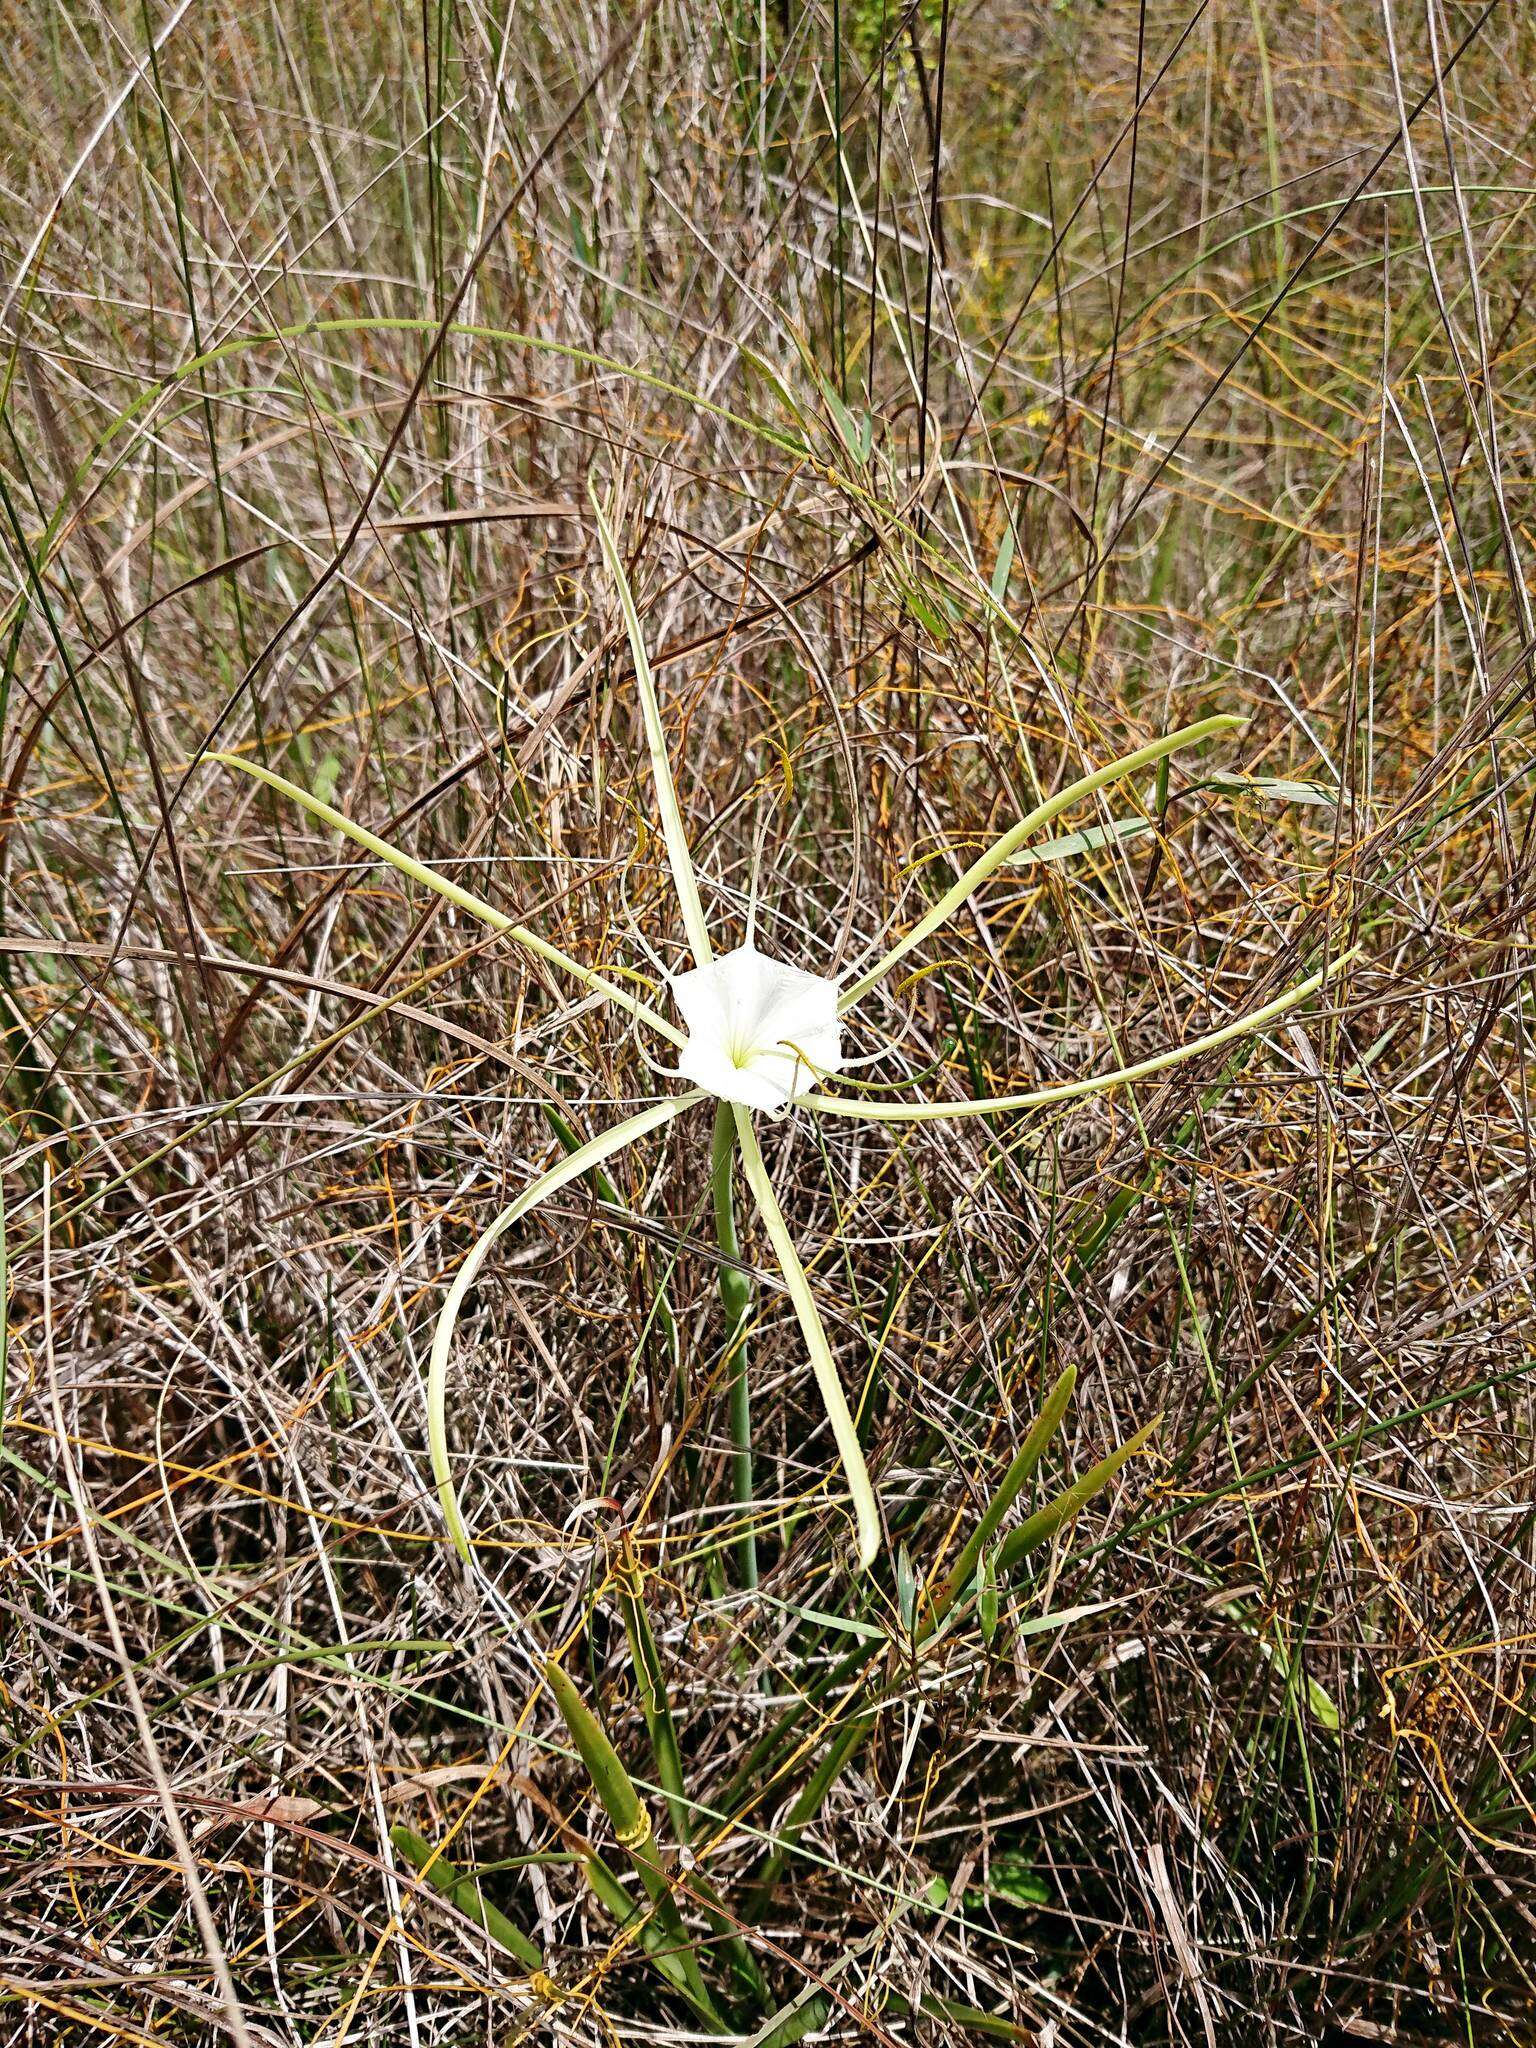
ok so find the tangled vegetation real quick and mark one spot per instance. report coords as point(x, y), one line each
point(1020, 514)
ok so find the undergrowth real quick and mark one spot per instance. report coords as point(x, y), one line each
point(975, 394)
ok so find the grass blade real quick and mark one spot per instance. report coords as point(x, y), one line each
point(463, 1892)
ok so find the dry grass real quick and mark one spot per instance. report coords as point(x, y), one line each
point(1243, 388)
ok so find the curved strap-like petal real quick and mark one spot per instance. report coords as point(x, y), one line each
point(679, 858)
point(1005, 848)
point(572, 1167)
point(476, 906)
point(846, 1436)
point(1094, 1084)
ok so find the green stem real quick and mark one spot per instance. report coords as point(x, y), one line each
point(736, 1297)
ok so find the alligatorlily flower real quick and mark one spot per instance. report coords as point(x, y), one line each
point(762, 1035)
point(760, 1032)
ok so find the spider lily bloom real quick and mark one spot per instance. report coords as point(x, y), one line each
point(761, 1035)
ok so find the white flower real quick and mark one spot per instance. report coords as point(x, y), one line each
point(759, 1031)
point(761, 1035)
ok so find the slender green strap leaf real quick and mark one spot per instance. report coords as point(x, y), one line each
point(661, 1939)
point(968, 2019)
point(807, 2015)
point(1005, 848)
point(463, 1891)
point(866, 1512)
point(1274, 788)
point(475, 906)
point(650, 1683)
point(1028, 1457)
point(681, 861)
point(572, 1167)
point(1043, 1525)
point(621, 1802)
point(895, 1112)
point(632, 1825)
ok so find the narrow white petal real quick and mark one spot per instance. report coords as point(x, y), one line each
point(683, 878)
point(1005, 848)
point(462, 899)
point(823, 1364)
point(896, 1112)
point(581, 1161)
